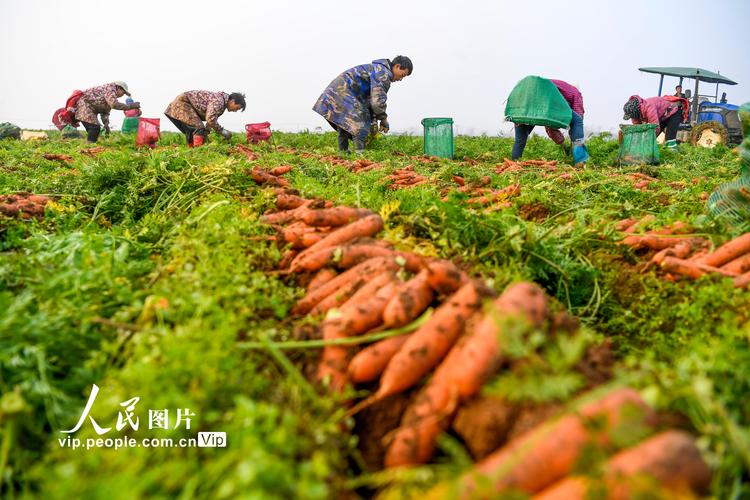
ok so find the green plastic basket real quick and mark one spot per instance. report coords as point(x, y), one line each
point(638, 145)
point(438, 137)
point(130, 125)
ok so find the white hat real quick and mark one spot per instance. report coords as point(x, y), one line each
point(123, 85)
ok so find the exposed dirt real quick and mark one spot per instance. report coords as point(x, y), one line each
point(531, 415)
point(533, 212)
point(373, 425)
point(483, 423)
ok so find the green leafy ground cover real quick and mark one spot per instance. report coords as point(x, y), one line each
point(149, 272)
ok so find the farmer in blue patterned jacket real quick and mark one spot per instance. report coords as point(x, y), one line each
point(358, 96)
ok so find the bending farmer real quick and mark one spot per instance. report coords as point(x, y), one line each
point(100, 101)
point(667, 112)
point(190, 109)
point(575, 100)
point(358, 96)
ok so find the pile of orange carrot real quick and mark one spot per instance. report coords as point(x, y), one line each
point(246, 151)
point(23, 205)
point(405, 178)
point(487, 198)
point(683, 256)
point(542, 462)
point(57, 157)
point(510, 166)
point(358, 284)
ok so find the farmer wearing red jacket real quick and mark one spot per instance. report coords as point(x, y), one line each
point(574, 98)
point(100, 101)
point(666, 112)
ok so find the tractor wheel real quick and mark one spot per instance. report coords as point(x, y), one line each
point(709, 134)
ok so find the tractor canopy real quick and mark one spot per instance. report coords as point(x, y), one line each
point(699, 74)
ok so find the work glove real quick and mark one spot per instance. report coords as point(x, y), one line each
point(134, 105)
point(226, 134)
point(107, 130)
point(384, 127)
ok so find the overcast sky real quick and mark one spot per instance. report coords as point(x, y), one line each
point(282, 53)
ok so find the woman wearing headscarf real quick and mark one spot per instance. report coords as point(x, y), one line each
point(666, 112)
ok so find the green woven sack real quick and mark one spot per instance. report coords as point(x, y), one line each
point(638, 145)
point(8, 130)
point(536, 101)
point(130, 125)
point(732, 200)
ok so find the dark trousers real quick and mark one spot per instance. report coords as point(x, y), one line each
point(187, 129)
point(92, 131)
point(523, 132)
point(345, 137)
point(522, 135)
point(671, 124)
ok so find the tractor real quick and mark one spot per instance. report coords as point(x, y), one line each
point(712, 120)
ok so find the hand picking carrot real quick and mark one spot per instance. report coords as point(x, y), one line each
point(461, 375)
point(671, 461)
point(370, 362)
point(337, 216)
point(363, 271)
point(367, 226)
point(412, 299)
point(548, 452)
point(728, 251)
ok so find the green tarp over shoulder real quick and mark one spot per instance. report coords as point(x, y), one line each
point(536, 101)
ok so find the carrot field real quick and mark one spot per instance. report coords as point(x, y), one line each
point(533, 291)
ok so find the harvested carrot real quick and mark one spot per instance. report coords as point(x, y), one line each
point(742, 281)
point(691, 269)
point(671, 461)
point(625, 224)
point(363, 271)
point(728, 251)
point(654, 242)
point(444, 277)
point(295, 236)
point(287, 258)
point(321, 277)
point(367, 226)
point(280, 170)
point(356, 290)
point(461, 375)
point(347, 256)
point(261, 176)
point(289, 201)
point(427, 346)
point(370, 362)
point(285, 216)
point(412, 299)
point(338, 216)
point(739, 265)
point(681, 250)
point(643, 221)
point(548, 452)
point(352, 320)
